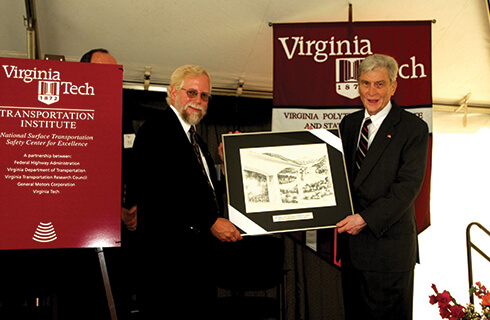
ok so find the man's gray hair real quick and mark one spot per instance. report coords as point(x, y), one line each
point(379, 61)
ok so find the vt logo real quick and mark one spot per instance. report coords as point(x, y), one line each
point(346, 77)
point(49, 92)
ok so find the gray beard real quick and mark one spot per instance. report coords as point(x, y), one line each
point(192, 120)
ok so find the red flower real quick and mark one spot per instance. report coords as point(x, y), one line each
point(484, 289)
point(444, 312)
point(450, 309)
point(485, 300)
point(457, 311)
point(444, 299)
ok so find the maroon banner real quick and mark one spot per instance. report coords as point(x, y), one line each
point(60, 141)
point(315, 64)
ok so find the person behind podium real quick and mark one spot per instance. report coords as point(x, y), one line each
point(379, 242)
point(179, 219)
point(101, 55)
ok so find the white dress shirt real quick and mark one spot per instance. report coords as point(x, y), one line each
point(377, 120)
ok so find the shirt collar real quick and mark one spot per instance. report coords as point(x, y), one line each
point(378, 118)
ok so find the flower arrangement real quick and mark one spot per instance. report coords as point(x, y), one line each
point(450, 309)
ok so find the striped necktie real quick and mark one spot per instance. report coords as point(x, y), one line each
point(197, 151)
point(363, 144)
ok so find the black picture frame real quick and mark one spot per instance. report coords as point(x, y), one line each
point(286, 181)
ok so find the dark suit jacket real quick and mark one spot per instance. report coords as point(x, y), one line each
point(173, 196)
point(176, 209)
point(384, 190)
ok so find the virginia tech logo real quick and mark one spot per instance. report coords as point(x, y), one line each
point(346, 77)
point(49, 92)
point(50, 85)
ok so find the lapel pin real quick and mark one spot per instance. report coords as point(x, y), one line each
point(389, 136)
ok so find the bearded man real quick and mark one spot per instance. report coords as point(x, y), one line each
point(178, 213)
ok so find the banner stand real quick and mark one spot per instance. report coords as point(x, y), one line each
point(107, 284)
point(58, 120)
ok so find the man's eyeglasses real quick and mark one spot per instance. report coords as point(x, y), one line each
point(192, 93)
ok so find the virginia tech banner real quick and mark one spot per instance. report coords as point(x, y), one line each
point(60, 145)
point(315, 80)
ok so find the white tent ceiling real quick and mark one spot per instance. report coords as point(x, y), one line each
point(233, 39)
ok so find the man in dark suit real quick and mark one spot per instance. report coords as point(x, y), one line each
point(178, 212)
point(379, 241)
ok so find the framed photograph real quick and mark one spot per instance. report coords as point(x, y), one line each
point(286, 181)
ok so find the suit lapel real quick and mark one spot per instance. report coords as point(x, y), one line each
point(382, 140)
point(174, 126)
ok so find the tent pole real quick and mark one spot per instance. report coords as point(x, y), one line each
point(350, 12)
point(30, 23)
